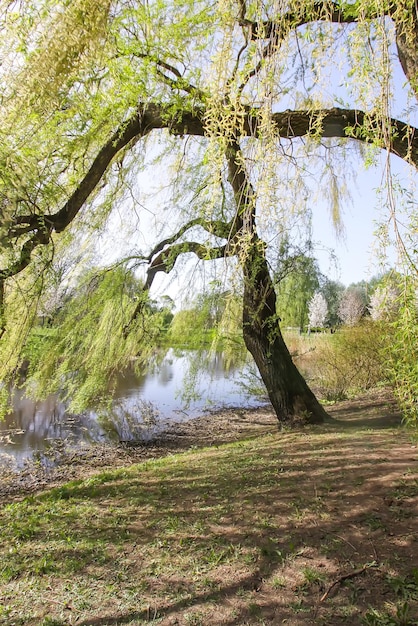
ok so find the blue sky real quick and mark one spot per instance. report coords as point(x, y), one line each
point(355, 259)
point(357, 252)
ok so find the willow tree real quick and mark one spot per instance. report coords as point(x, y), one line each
point(235, 94)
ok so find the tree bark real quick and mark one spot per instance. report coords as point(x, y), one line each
point(406, 43)
point(287, 390)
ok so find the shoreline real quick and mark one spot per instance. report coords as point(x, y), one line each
point(215, 428)
point(374, 409)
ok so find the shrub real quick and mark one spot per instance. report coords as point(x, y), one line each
point(349, 361)
point(402, 354)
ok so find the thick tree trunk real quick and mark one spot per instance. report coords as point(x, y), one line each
point(406, 43)
point(288, 391)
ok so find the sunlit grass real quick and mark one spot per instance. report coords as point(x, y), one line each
point(199, 534)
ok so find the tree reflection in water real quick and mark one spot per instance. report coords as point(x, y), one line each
point(179, 385)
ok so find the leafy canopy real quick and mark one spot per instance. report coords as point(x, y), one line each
point(96, 93)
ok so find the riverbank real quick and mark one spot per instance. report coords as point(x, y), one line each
point(376, 409)
point(209, 430)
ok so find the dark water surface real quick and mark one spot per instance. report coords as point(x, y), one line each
point(142, 407)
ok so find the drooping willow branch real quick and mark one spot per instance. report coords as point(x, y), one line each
point(2, 324)
point(406, 28)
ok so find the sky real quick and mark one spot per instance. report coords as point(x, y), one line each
point(356, 251)
point(358, 254)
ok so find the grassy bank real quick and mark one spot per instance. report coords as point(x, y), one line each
point(313, 527)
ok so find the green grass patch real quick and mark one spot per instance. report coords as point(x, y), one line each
point(200, 534)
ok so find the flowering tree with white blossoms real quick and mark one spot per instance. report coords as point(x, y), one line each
point(384, 303)
point(318, 310)
point(352, 306)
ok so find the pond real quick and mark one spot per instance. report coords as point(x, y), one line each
point(142, 407)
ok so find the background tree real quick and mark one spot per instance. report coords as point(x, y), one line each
point(227, 89)
point(318, 310)
point(352, 305)
point(385, 299)
point(332, 291)
point(296, 288)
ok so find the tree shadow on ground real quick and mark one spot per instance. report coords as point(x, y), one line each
point(376, 410)
point(255, 532)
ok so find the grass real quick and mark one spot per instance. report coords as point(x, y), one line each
point(246, 533)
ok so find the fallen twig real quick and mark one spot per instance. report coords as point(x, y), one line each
point(341, 579)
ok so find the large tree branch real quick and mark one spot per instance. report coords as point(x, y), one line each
point(150, 117)
point(321, 11)
point(165, 262)
point(37, 229)
point(145, 119)
point(164, 255)
point(352, 124)
point(41, 236)
point(218, 228)
point(405, 19)
point(286, 22)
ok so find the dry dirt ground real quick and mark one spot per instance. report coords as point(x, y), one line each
point(328, 538)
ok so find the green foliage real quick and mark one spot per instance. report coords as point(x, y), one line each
point(191, 328)
point(4, 401)
point(228, 337)
point(402, 351)
point(399, 617)
point(295, 290)
point(405, 587)
point(332, 291)
point(20, 316)
point(93, 340)
point(215, 322)
point(349, 361)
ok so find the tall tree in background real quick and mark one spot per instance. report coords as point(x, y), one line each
point(352, 306)
point(298, 280)
point(332, 291)
point(230, 97)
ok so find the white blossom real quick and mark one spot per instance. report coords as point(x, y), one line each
point(352, 307)
point(384, 303)
point(318, 310)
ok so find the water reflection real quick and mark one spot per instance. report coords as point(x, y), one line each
point(142, 406)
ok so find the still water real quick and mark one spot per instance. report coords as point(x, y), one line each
point(142, 407)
